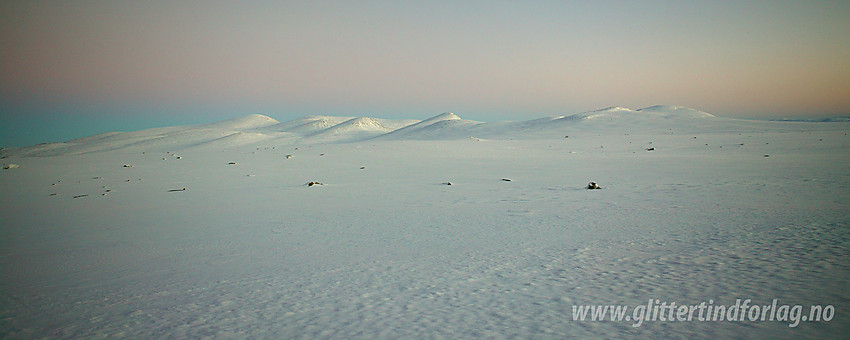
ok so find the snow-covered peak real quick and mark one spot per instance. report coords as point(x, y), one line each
point(357, 124)
point(308, 124)
point(614, 109)
point(350, 130)
point(676, 111)
point(680, 111)
point(445, 116)
point(364, 123)
point(613, 112)
point(438, 118)
point(433, 121)
point(251, 121)
point(624, 114)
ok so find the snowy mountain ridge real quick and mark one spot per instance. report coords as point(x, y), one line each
point(256, 128)
point(657, 111)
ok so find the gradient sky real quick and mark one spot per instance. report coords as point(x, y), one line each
point(74, 68)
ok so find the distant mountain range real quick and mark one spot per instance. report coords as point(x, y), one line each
point(817, 120)
point(256, 128)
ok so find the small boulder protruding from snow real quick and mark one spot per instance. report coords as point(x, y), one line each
point(10, 166)
point(592, 186)
point(288, 156)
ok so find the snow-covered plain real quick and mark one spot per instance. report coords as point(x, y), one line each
point(693, 208)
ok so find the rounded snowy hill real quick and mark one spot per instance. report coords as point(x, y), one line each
point(252, 121)
point(350, 130)
point(442, 126)
point(307, 125)
point(652, 112)
point(668, 111)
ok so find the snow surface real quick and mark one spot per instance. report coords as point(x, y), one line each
point(720, 209)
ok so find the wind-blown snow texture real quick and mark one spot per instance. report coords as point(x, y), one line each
point(719, 209)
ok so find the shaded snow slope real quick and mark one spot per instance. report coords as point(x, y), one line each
point(154, 139)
